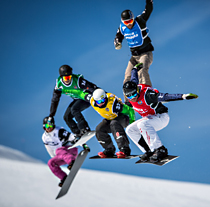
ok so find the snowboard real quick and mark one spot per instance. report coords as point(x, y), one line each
point(75, 168)
point(162, 162)
point(83, 139)
point(113, 157)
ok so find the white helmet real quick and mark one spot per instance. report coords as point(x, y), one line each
point(99, 94)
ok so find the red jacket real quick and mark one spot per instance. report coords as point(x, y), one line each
point(147, 102)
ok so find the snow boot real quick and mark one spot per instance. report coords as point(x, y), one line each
point(78, 136)
point(62, 181)
point(107, 153)
point(71, 164)
point(124, 152)
point(121, 154)
point(102, 155)
point(83, 131)
point(159, 154)
point(146, 156)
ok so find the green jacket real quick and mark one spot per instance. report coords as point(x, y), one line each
point(76, 90)
point(118, 106)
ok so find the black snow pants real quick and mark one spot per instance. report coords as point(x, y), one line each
point(74, 111)
point(116, 127)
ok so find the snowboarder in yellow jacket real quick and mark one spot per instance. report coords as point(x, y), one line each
point(116, 116)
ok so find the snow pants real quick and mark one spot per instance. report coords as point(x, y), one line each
point(63, 156)
point(116, 127)
point(146, 128)
point(143, 74)
point(74, 111)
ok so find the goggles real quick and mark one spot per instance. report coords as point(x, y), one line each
point(132, 96)
point(100, 101)
point(129, 21)
point(48, 126)
point(67, 78)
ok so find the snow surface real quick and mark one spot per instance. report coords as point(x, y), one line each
point(32, 184)
point(9, 153)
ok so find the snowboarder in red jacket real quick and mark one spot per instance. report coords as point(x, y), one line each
point(147, 102)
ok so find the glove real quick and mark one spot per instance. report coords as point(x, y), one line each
point(189, 96)
point(77, 138)
point(117, 44)
point(138, 67)
point(88, 97)
point(128, 104)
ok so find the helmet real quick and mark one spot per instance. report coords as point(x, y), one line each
point(127, 14)
point(46, 119)
point(99, 94)
point(130, 88)
point(65, 70)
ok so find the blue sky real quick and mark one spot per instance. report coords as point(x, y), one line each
point(37, 37)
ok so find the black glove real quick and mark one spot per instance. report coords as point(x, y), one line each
point(117, 44)
point(77, 138)
point(128, 104)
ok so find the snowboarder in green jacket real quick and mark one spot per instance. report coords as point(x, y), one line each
point(79, 85)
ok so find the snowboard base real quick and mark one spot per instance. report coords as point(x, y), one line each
point(70, 177)
point(162, 162)
point(114, 157)
point(87, 136)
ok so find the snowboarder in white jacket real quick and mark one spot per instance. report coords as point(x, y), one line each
point(57, 140)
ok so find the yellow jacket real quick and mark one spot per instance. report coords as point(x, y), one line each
point(112, 107)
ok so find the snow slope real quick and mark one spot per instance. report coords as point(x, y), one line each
point(9, 153)
point(32, 184)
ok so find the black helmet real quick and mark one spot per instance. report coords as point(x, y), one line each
point(130, 88)
point(45, 120)
point(65, 70)
point(127, 14)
